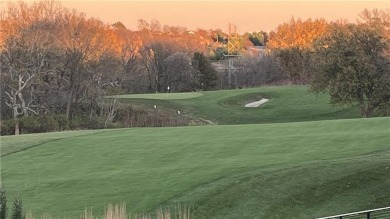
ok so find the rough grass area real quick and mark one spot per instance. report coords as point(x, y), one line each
point(286, 104)
point(286, 170)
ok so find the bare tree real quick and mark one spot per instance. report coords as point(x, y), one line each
point(152, 58)
point(143, 25)
point(84, 42)
point(180, 75)
point(155, 26)
point(24, 59)
point(128, 50)
point(265, 70)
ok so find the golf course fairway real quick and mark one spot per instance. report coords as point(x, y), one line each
point(281, 170)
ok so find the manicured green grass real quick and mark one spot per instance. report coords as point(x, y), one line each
point(162, 96)
point(286, 170)
point(12, 144)
point(286, 104)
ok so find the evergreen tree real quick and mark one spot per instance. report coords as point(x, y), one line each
point(18, 209)
point(207, 74)
point(3, 204)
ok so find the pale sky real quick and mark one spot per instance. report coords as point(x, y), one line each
point(249, 16)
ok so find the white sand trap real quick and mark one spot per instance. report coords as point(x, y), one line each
point(257, 103)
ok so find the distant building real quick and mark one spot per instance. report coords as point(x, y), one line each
point(257, 51)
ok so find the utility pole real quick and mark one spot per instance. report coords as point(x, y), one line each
point(233, 52)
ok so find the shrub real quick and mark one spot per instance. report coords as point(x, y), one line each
point(84, 122)
point(95, 123)
point(17, 212)
point(48, 123)
point(79, 122)
point(3, 204)
point(7, 127)
point(29, 124)
point(62, 121)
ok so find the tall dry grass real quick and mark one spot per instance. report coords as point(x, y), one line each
point(118, 211)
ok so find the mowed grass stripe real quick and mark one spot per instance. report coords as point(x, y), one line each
point(13, 144)
point(160, 96)
point(148, 166)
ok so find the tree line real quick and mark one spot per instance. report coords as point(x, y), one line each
point(58, 64)
point(350, 61)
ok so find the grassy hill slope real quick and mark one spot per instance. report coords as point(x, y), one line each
point(286, 104)
point(287, 170)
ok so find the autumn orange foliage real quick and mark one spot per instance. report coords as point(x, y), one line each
point(297, 33)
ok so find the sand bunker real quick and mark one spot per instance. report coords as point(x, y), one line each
point(257, 103)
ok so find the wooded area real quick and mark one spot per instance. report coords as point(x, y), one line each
point(57, 65)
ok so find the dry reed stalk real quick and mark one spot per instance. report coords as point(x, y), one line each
point(117, 211)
